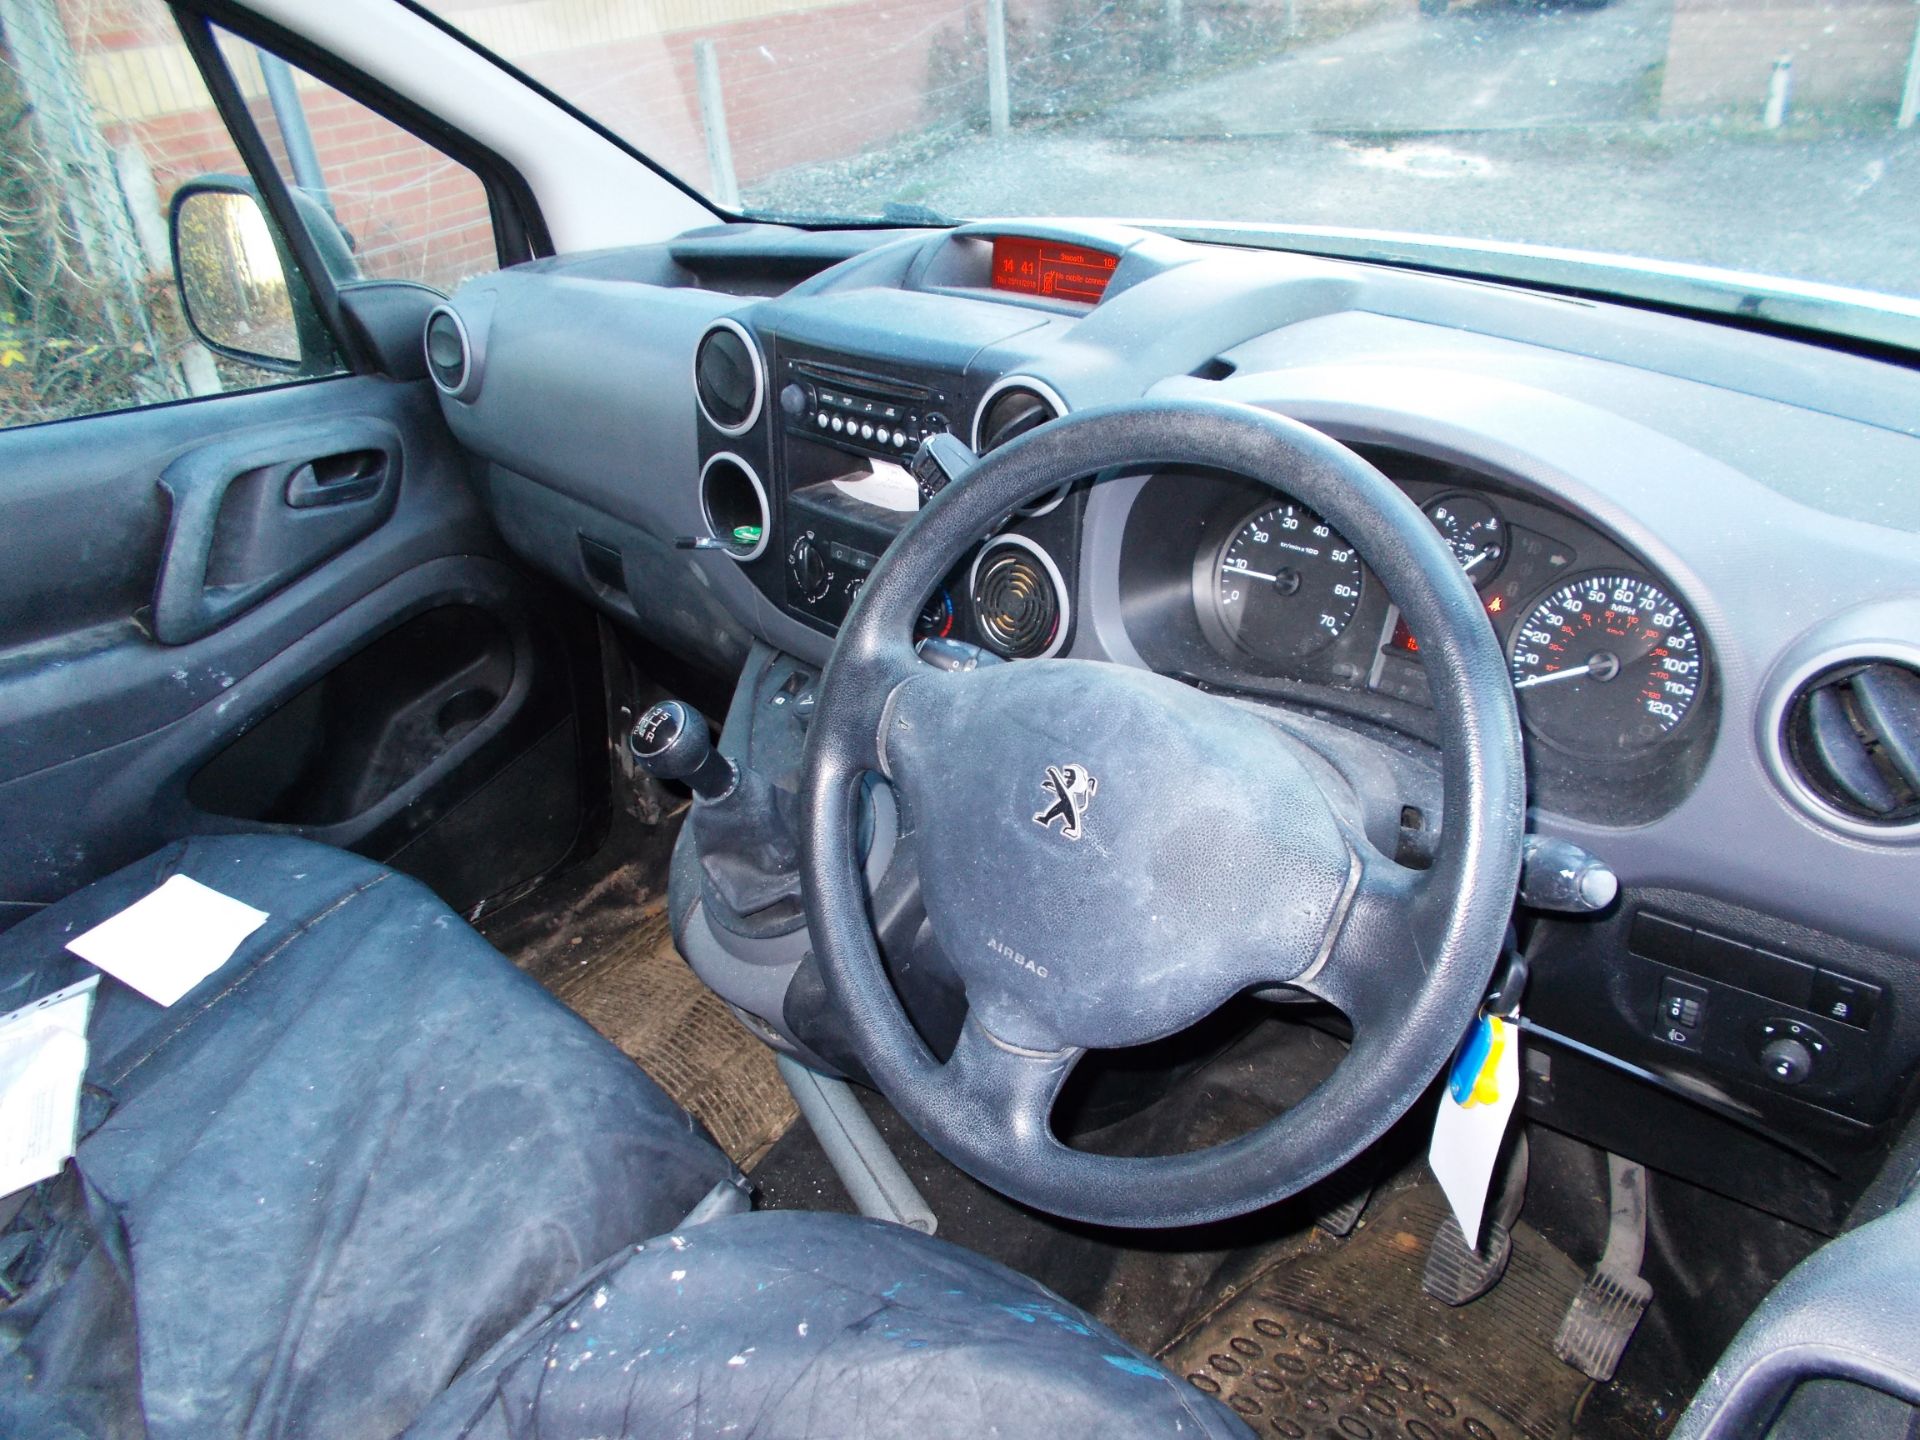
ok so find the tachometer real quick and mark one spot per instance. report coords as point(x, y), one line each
point(1286, 584)
point(1608, 664)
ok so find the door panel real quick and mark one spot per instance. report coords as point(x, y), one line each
point(252, 514)
point(354, 658)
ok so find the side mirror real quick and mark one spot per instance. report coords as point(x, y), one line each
point(239, 288)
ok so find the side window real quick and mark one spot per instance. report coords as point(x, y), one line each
point(370, 190)
point(103, 117)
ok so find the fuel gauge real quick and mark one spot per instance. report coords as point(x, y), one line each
point(1474, 531)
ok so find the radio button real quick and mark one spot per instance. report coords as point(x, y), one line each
point(866, 432)
point(900, 439)
point(820, 420)
point(838, 425)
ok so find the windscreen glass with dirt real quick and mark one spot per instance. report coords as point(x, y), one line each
point(1770, 136)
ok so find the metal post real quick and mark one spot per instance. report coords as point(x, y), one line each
point(1779, 89)
point(713, 115)
point(290, 114)
point(142, 197)
point(1910, 92)
point(999, 106)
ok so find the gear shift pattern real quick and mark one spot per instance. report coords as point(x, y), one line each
point(670, 742)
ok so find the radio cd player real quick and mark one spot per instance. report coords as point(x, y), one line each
point(854, 410)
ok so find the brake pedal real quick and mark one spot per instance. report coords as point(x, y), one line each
point(1456, 1273)
point(1604, 1314)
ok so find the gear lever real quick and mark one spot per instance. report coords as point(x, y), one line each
point(739, 824)
point(670, 742)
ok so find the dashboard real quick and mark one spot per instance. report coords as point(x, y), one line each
point(1694, 543)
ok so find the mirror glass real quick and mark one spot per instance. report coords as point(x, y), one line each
point(231, 281)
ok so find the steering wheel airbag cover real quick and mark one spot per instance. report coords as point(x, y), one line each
point(1195, 856)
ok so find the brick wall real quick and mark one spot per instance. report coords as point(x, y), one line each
point(803, 80)
point(1846, 53)
point(412, 213)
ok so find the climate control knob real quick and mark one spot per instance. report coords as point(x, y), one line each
point(808, 569)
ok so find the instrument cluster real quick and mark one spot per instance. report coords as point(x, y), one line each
point(1608, 664)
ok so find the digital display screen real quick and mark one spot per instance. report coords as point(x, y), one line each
point(1402, 642)
point(1051, 269)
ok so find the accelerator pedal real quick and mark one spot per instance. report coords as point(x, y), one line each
point(1603, 1315)
point(1456, 1273)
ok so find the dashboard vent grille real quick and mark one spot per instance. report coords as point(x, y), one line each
point(1014, 407)
point(1852, 736)
point(1017, 599)
point(449, 356)
point(1011, 414)
point(729, 379)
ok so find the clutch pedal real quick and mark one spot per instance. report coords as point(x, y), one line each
point(1339, 1220)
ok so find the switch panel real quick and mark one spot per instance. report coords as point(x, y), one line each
point(1842, 998)
point(1683, 1012)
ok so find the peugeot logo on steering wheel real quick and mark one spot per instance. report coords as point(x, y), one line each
point(1072, 789)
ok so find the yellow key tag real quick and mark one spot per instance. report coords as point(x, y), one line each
point(1475, 1108)
point(1486, 1085)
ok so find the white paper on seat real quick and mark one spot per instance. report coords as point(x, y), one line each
point(169, 942)
point(43, 1057)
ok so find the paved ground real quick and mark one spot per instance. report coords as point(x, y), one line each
point(1486, 67)
point(1495, 121)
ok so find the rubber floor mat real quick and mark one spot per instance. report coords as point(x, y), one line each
point(636, 990)
point(1340, 1341)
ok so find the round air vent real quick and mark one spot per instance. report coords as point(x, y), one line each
point(1850, 740)
point(729, 378)
point(450, 359)
point(1010, 409)
point(734, 505)
point(1019, 599)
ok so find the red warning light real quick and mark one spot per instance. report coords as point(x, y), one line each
point(1496, 605)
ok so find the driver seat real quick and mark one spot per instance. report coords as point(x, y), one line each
point(369, 1176)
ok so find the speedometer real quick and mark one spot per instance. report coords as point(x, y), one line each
point(1608, 664)
point(1286, 583)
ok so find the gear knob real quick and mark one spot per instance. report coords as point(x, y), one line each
point(670, 742)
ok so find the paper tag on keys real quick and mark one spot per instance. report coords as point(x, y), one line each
point(1483, 1086)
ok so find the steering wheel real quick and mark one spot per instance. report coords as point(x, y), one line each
point(1120, 854)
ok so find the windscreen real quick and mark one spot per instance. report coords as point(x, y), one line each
point(1776, 139)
